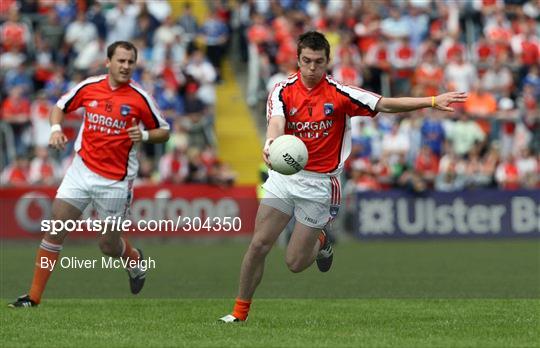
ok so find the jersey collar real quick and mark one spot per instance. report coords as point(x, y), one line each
point(117, 88)
point(307, 90)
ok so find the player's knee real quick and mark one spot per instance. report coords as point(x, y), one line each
point(295, 264)
point(260, 247)
point(110, 249)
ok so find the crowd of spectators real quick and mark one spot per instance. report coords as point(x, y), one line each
point(488, 48)
point(49, 46)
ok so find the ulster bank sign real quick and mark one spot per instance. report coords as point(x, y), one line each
point(488, 213)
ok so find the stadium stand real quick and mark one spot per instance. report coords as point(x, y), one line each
point(47, 47)
point(490, 49)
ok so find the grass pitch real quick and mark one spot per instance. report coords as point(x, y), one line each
point(378, 294)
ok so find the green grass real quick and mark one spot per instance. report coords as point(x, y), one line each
point(277, 323)
point(378, 294)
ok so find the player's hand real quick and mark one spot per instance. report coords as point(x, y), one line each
point(266, 154)
point(134, 131)
point(443, 101)
point(58, 140)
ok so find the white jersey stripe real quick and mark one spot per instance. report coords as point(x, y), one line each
point(132, 163)
point(346, 141)
point(161, 123)
point(78, 141)
point(336, 191)
point(68, 97)
point(333, 191)
point(275, 105)
point(270, 104)
point(356, 94)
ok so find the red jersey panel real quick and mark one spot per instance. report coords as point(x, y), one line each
point(320, 117)
point(103, 142)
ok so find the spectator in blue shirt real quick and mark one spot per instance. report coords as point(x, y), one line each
point(170, 103)
point(216, 35)
point(433, 134)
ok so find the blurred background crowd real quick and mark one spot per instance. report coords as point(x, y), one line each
point(50, 46)
point(488, 48)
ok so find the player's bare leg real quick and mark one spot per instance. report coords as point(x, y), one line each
point(269, 223)
point(47, 254)
point(113, 244)
point(110, 242)
point(303, 247)
point(63, 211)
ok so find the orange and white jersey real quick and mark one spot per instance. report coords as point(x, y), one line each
point(321, 117)
point(103, 142)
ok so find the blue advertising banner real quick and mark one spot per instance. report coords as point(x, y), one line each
point(475, 213)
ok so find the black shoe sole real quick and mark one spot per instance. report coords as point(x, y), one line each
point(136, 284)
point(325, 264)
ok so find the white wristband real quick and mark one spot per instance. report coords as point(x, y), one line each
point(145, 135)
point(56, 128)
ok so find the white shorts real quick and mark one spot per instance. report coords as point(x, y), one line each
point(312, 198)
point(82, 186)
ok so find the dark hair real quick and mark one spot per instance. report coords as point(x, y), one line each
point(315, 41)
point(124, 44)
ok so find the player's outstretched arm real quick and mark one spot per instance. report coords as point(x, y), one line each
point(440, 102)
point(57, 139)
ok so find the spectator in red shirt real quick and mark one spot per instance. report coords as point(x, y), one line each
point(259, 36)
point(483, 52)
point(367, 31)
point(427, 165)
point(174, 166)
point(43, 169)
point(377, 62)
point(498, 29)
point(483, 105)
point(507, 174)
point(526, 47)
point(15, 33)
point(362, 177)
point(403, 59)
point(428, 75)
point(16, 174)
point(345, 72)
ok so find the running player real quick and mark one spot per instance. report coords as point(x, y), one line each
point(315, 108)
point(105, 162)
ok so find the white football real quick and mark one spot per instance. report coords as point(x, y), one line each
point(288, 154)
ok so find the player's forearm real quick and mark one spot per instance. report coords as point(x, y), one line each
point(402, 104)
point(158, 135)
point(276, 127)
point(57, 116)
